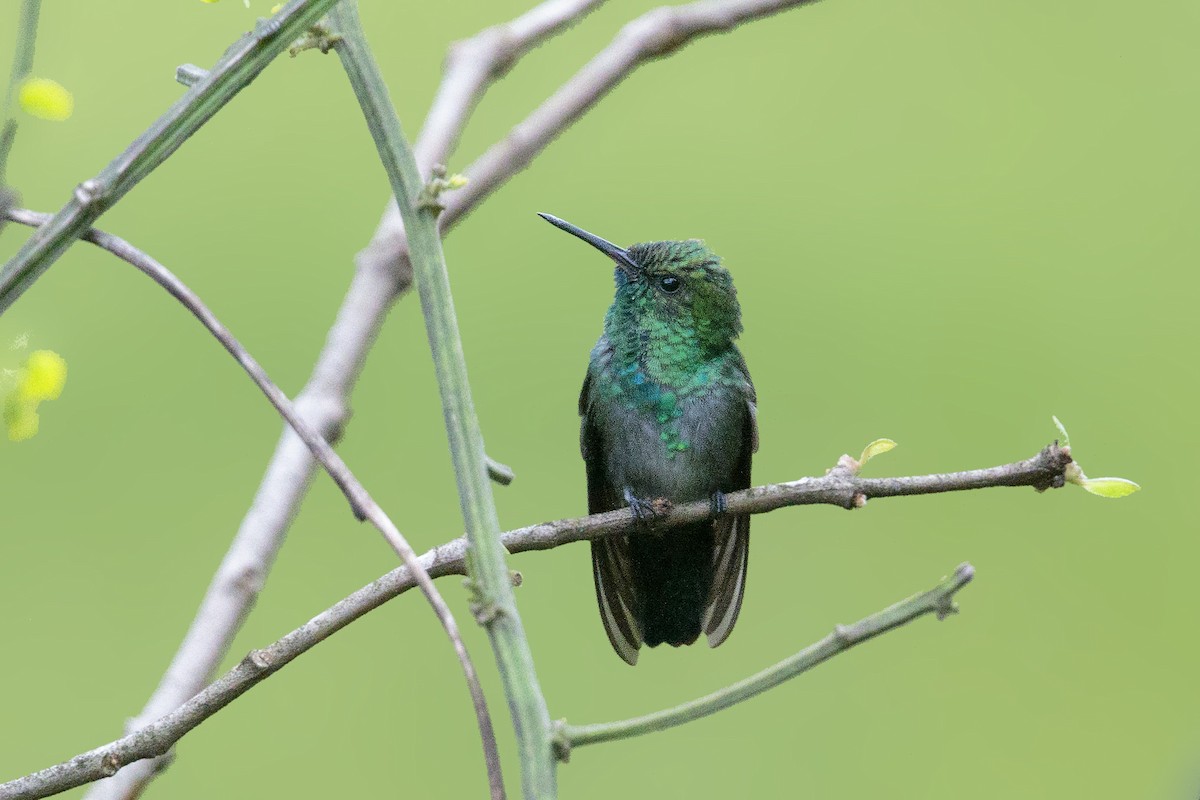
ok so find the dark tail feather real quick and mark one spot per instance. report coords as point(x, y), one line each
point(673, 573)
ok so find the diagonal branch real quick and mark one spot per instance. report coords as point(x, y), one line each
point(360, 500)
point(382, 275)
point(494, 605)
point(324, 400)
point(472, 65)
point(939, 600)
point(241, 64)
point(839, 487)
point(653, 35)
point(21, 67)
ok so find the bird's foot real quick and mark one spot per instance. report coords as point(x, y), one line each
point(645, 511)
point(718, 504)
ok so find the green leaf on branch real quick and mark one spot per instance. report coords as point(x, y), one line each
point(875, 448)
point(1103, 487)
point(1109, 487)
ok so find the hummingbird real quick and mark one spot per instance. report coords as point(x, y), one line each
point(667, 410)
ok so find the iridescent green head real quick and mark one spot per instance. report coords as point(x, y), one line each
point(679, 285)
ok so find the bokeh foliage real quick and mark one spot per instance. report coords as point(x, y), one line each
point(946, 222)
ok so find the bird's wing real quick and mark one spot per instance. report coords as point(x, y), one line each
point(731, 536)
point(611, 566)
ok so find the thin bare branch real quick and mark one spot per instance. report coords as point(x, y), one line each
point(242, 63)
point(473, 64)
point(382, 275)
point(939, 600)
point(363, 505)
point(651, 36)
point(22, 65)
point(841, 487)
point(240, 577)
point(324, 400)
point(493, 602)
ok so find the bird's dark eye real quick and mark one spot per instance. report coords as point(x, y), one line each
point(670, 284)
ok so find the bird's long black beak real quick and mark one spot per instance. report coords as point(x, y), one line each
point(617, 254)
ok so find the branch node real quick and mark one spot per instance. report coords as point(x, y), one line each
point(250, 579)
point(659, 32)
point(516, 577)
point(486, 613)
point(843, 635)
point(494, 46)
point(260, 659)
point(326, 411)
point(1056, 460)
point(318, 37)
point(429, 196)
point(482, 606)
point(859, 500)
point(110, 764)
point(498, 472)
point(946, 607)
point(90, 192)
point(327, 43)
point(944, 604)
point(189, 74)
point(361, 503)
point(846, 463)
point(265, 28)
point(559, 741)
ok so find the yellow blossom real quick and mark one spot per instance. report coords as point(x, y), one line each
point(41, 378)
point(46, 99)
point(21, 421)
point(45, 374)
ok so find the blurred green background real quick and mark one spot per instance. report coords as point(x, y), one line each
point(946, 221)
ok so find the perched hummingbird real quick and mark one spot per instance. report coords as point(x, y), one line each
point(668, 410)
